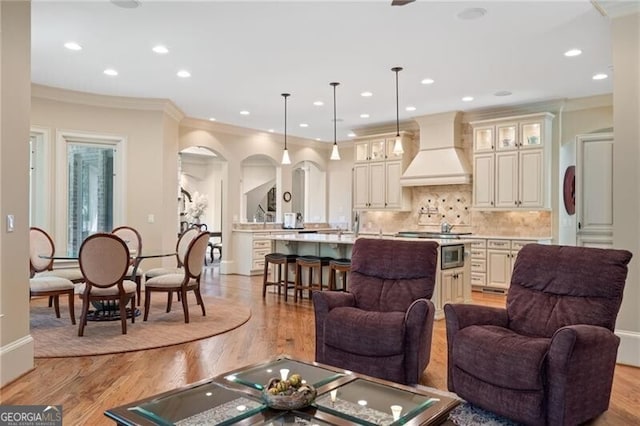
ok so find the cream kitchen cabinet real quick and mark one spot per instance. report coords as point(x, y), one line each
point(249, 250)
point(376, 175)
point(493, 259)
point(453, 286)
point(512, 163)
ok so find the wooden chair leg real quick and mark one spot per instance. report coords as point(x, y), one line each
point(50, 301)
point(123, 314)
point(264, 279)
point(83, 316)
point(200, 301)
point(147, 303)
point(138, 280)
point(185, 306)
point(72, 310)
point(170, 300)
point(56, 305)
point(133, 308)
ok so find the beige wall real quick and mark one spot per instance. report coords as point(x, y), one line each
point(16, 345)
point(626, 175)
point(151, 135)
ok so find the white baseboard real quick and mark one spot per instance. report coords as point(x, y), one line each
point(227, 267)
point(629, 350)
point(16, 359)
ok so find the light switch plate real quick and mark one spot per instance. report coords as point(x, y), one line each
point(151, 218)
point(11, 225)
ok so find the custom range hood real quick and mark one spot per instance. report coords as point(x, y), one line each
point(441, 159)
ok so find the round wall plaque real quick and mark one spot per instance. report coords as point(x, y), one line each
point(286, 197)
point(569, 190)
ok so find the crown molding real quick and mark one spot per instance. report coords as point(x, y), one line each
point(617, 8)
point(410, 126)
point(230, 129)
point(577, 104)
point(489, 113)
point(97, 100)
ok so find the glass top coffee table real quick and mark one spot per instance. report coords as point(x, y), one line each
point(344, 398)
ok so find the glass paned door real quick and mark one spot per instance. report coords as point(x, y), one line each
point(90, 192)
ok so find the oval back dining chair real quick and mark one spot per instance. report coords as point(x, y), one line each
point(104, 260)
point(189, 279)
point(41, 251)
point(181, 250)
point(133, 240)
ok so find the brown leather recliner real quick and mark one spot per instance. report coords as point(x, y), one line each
point(383, 326)
point(549, 357)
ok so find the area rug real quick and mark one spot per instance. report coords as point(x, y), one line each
point(57, 337)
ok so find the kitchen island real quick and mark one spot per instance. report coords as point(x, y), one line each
point(452, 285)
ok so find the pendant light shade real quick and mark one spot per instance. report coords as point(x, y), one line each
point(397, 146)
point(335, 155)
point(285, 153)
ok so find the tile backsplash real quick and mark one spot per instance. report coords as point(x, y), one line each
point(431, 205)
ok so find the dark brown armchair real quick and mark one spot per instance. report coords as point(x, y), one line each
point(383, 326)
point(549, 357)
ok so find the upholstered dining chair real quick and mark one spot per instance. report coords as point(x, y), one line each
point(54, 287)
point(41, 244)
point(181, 250)
point(383, 326)
point(549, 357)
point(104, 260)
point(133, 240)
point(187, 280)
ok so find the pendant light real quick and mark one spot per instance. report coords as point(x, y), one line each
point(335, 155)
point(285, 153)
point(397, 146)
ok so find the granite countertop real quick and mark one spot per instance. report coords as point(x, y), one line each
point(351, 238)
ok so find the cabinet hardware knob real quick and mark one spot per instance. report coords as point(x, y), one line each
point(516, 203)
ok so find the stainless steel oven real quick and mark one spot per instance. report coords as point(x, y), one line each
point(451, 256)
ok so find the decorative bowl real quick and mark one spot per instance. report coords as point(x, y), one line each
point(300, 398)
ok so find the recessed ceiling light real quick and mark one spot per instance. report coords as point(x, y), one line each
point(110, 72)
point(183, 74)
point(304, 125)
point(318, 103)
point(351, 135)
point(600, 76)
point(318, 139)
point(364, 115)
point(72, 45)
point(427, 81)
point(573, 52)
point(244, 112)
point(410, 108)
point(160, 49)
point(366, 94)
point(212, 119)
point(472, 13)
point(503, 93)
point(467, 99)
point(271, 130)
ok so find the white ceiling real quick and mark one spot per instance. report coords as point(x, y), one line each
point(242, 55)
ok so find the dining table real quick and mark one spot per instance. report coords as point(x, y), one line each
point(109, 310)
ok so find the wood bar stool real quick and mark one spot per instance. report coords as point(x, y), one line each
point(339, 265)
point(311, 262)
point(278, 259)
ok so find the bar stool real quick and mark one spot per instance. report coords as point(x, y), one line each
point(339, 265)
point(278, 259)
point(311, 262)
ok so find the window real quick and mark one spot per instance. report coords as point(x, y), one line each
point(90, 184)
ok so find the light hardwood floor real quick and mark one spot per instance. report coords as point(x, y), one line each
point(87, 386)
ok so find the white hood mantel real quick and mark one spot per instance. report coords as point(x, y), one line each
point(441, 159)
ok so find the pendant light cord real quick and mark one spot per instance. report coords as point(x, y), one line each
point(396, 70)
point(334, 84)
point(285, 95)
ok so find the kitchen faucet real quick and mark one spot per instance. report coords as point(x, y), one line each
point(445, 228)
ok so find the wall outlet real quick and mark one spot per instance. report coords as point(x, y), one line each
point(11, 224)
